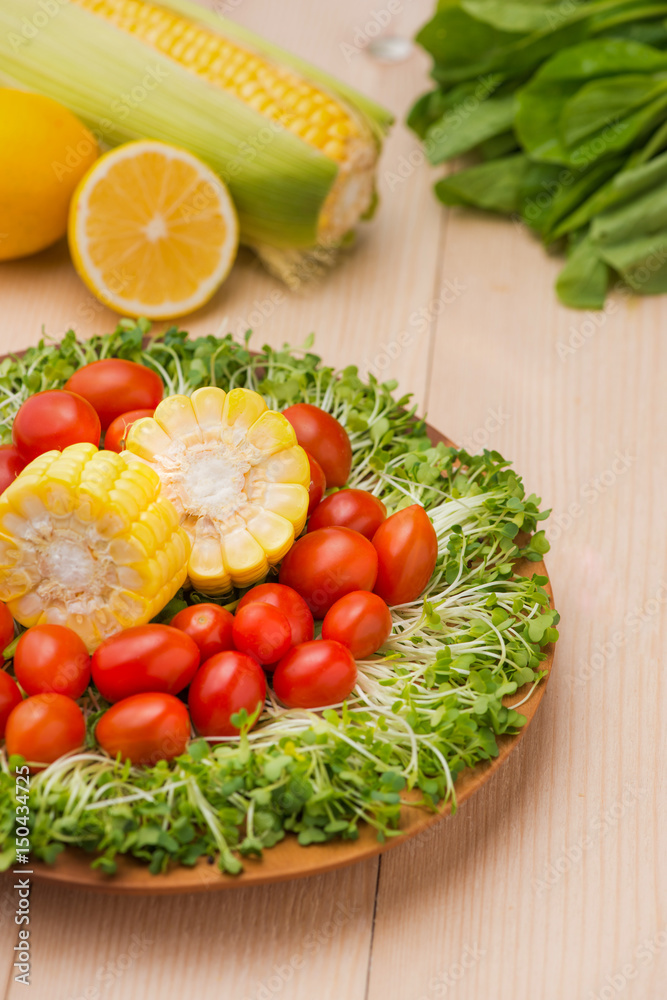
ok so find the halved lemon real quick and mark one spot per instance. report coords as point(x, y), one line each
point(152, 230)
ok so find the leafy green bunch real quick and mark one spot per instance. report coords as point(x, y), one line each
point(564, 105)
point(435, 700)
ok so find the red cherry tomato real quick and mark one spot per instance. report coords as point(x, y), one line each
point(289, 602)
point(407, 548)
point(53, 420)
point(145, 728)
point(145, 658)
point(114, 386)
point(10, 696)
point(225, 684)
point(315, 674)
point(6, 627)
point(45, 727)
point(114, 439)
point(318, 484)
point(355, 509)
point(325, 565)
point(262, 631)
point(360, 621)
point(52, 658)
point(324, 438)
point(11, 464)
point(209, 625)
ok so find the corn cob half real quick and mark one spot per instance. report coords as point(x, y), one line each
point(297, 149)
point(237, 477)
point(87, 541)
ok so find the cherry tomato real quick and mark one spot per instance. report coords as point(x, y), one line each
point(145, 658)
point(324, 438)
point(115, 386)
point(360, 621)
point(53, 420)
point(10, 696)
point(289, 602)
point(407, 548)
point(45, 727)
point(11, 464)
point(52, 658)
point(209, 625)
point(6, 627)
point(315, 674)
point(262, 631)
point(354, 509)
point(318, 484)
point(114, 439)
point(225, 684)
point(145, 728)
point(325, 565)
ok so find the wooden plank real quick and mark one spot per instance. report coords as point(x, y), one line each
point(551, 882)
point(255, 944)
point(9, 930)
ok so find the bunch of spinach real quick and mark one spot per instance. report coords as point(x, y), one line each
point(563, 103)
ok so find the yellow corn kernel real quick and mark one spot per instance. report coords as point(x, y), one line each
point(236, 478)
point(313, 135)
point(257, 100)
point(271, 432)
point(242, 408)
point(87, 541)
point(177, 419)
point(208, 404)
point(206, 567)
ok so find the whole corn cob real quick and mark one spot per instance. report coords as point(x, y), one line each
point(297, 149)
point(87, 541)
point(237, 477)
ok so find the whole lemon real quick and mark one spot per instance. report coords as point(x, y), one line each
point(44, 152)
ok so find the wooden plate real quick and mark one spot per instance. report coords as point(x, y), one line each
point(288, 860)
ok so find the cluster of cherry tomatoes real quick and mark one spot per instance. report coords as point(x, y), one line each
point(208, 664)
point(107, 395)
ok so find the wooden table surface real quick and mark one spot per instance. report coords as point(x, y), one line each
point(550, 884)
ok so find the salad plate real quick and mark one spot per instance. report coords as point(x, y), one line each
point(470, 658)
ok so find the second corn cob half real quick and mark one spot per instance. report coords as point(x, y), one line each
point(297, 149)
point(237, 477)
point(87, 541)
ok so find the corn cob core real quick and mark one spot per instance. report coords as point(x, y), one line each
point(86, 541)
point(236, 476)
point(278, 93)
